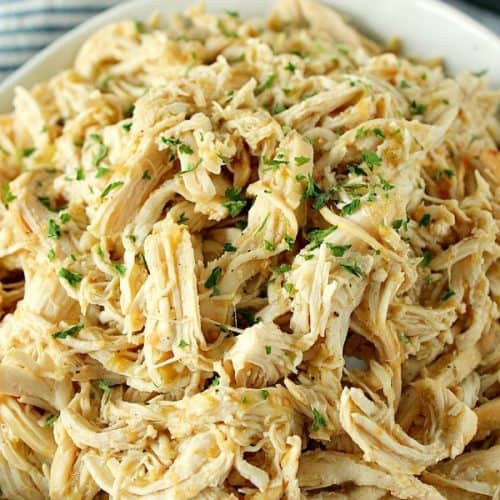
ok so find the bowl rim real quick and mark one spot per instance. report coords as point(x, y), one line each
point(21, 76)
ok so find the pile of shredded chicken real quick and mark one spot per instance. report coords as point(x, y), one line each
point(250, 259)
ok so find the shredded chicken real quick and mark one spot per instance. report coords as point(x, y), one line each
point(250, 259)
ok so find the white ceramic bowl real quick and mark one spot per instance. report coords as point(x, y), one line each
point(428, 28)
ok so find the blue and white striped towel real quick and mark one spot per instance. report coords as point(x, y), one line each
point(27, 26)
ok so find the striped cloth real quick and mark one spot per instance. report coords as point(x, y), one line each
point(27, 26)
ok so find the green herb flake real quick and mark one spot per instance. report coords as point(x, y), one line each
point(99, 252)
point(448, 294)
point(481, 73)
point(274, 164)
point(229, 248)
point(386, 186)
point(139, 27)
point(53, 229)
point(316, 236)
point(110, 188)
point(222, 28)
point(51, 255)
point(404, 84)
point(190, 168)
point(361, 132)
point(80, 174)
point(120, 269)
point(416, 108)
point(352, 267)
point(215, 381)
point(27, 152)
point(289, 288)
point(214, 278)
point(72, 278)
point(264, 393)
point(101, 172)
point(7, 195)
point(449, 173)
point(235, 202)
point(266, 84)
point(404, 339)
point(65, 217)
point(318, 420)
point(425, 220)
point(372, 159)
point(106, 388)
point(185, 149)
point(127, 126)
point(68, 332)
point(269, 246)
point(338, 250)
point(426, 258)
point(291, 67)
point(351, 207)
point(182, 218)
point(233, 14)
point(289, 241)
point(397, 224)
point(183, 344)
point(301, 160)
point(99, 155)
point(379, 133)
point(283, 268)
point(268, 349)
point(50, 421)
point(146, 176)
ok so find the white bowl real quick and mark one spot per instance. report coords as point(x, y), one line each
point(428, 28)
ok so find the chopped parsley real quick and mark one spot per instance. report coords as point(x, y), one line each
point(183, 344)
point(127, 126)
point(72, 278)
point(101, 172)
point(269, 246)
point(7, 195)
point(106, 388)
point(283, 268)
point(289, 241)
point(481, 73)
point(264, 393)
point(416, 108)
point(215, 381)
point(235, 202)
point(449, 173)
point(404, 84)
point(316, 236)
point(27, 152)
point(68, 332)
point(247, 317)
point(185, 149)
point(301, 160)
point(190, 168)
point(65, 217)
point(51, 255)
point(318, 420)
point(371, 158)
point(386, 186)
point(266, 84)
point(53, 229)
point(379, 133)
point(352, 267)
point(291, 67)
point(361, 132)
point(356, 169)
point(426, 258)
point(229, 248)
point(182, 218)
point(169, 141)
point(213, 279)
point(425, 220)
point(80, 174)
point(448, 294)
point(100, 154)
point(351, 207)
point(120, 269)
point(146, 175)
point(110, 188)
point(338, 250)
point(404, 339)
point(222, 28)
point(289, 288)
point(274, 164)
point(313, 192)
point(139, 27)
point(268, 349)
point(397, 224)
point(50, 420)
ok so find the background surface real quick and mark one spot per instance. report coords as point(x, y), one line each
point(27, 26)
